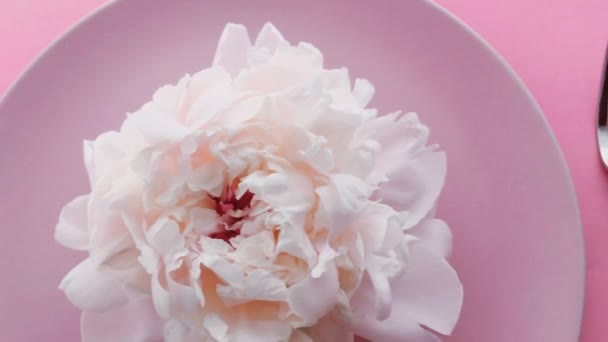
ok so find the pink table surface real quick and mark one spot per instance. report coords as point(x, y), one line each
point(556, 46)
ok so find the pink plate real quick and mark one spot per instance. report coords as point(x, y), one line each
point(509, 198)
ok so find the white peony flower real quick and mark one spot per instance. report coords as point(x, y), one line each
point(261, 200)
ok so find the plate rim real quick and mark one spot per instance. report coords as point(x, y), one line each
point(557, 151)
point(564, 169)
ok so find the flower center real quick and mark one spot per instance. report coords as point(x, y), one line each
point(232, 211)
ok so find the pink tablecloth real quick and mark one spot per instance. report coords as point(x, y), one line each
point(556, 46)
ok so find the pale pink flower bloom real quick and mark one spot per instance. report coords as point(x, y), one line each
point(261, 200)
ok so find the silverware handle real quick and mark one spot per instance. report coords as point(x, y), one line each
point(603, 106)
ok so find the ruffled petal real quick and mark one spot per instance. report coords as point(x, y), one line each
point(293, 241)
point(400, 135)
point(204, 221)
point(435, 234)
point(176, 331)
point(93, 287)
point(135, 321)
point(299, 335)
point(288, 67)
point(312, 298)
point(381, 270)
point(166, 239)
point(415, 186)
point(269, 38)
point(291, 193)
point(403, 330)
point(258, 285)
point(330, 330)
point(396, 328)
point(340, 203)
point(184, 301)
point(373, 224)
point(216, 327)
point(363, 91)
point(428, 294)
point(232, 49)
point(209, 93)
point(155, 127)
point(101, 155)
point(230, 273)
point(259, 331)
point(415, 173)
point(109, 233)
point(72, 230)
point(326, 255)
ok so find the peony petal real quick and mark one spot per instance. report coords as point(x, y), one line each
point(363, 92)
point(372, 224)
point(232, 48)
point(291, 192)
point(435, 234)
point(124, 260)
point(165, 237)
point(176, 331)
point(298, 335)
point(318, 155)
point(429, 292)
point(401, 136)
point(72, 230)
point(258, 331)
point(208, 177)
point(135, 321)
point(415, 186)
point(216, 327)
point(393, 236)
point(183, 298)
point(262, 285)
point(214, 246)
point(109, 233)
point(258, 285)
point(253, 182)
point(195, 280)
point(330, 330)
point(229, 272)
point(381, 270)
point(102, 154)
point(269, 38)
point(136, 281)
point(88, 148)
point(338, 79)
point(168, 98)
point(160, 298)
point(290, 66)
point(340, 203)
point(155, 127)
point(255, 225)
point(312, 298)
point(415, 174)
point(383, 239)
point(325, 257)
point(395, 331)
point(257, 249)
point(204, 221)
point(294, 241)
point(209, 93)
point(395, 328)
point(148, 259)
point(93, 287)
